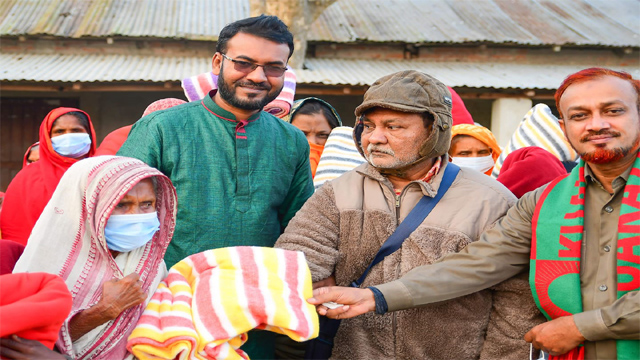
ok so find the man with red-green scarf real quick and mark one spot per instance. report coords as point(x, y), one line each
point(579, 235)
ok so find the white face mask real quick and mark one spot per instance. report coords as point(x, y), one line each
point(482, 164)
point(72, 145)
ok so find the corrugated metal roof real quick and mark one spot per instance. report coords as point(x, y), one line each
point(476, 75)
point(128, 68)
point(189, 19)
point(99, 68)
point(533, 22)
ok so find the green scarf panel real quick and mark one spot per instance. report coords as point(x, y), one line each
point(557, 231)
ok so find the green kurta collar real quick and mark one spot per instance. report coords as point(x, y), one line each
point(214, 108)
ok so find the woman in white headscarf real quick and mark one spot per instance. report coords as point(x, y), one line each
point(112, 277)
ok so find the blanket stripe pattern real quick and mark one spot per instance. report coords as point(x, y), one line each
point(210, 300)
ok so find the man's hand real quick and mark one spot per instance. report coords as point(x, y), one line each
point(119, 295)
point(22, 349)
point(356, 301)
point(556, 337)
point(330, 281)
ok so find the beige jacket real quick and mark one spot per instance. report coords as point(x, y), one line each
point(342, 226)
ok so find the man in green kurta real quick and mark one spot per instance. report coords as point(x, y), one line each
point(240, 173)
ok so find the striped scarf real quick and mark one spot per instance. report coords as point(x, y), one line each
point(538, 128)
point(339, 156)
point(558, 226)
point(210, 300)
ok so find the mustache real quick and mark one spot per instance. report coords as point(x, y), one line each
point(381, 149)
point(253, 85)
point(593, 134)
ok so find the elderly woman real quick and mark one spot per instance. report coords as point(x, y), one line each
point(105, 232)
point(66, 137)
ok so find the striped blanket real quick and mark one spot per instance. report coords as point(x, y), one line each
point(538, 128)
point(210, 300)
point(339, 156)
point(196, 87)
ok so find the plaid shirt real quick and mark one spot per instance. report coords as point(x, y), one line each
point(432, 172)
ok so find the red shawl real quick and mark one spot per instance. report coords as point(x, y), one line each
point(31, 189)
point(33, 306)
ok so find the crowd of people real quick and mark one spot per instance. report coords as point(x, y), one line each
point(242, 224)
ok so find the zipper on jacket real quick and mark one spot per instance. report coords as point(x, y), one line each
point(393, 319)
point(397, 209)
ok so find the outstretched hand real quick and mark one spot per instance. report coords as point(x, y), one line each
point(355, 301)
point(556, 337)
point(17, 348)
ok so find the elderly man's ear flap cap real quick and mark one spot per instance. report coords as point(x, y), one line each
point(410, 91)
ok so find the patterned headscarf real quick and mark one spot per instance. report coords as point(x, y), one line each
point(68, 240)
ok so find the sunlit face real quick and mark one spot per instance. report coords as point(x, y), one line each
point(601, 119)
point(392, 139)
point(468, 146)
point(253, 90)
point(315, 127)
point(67, 124)
point(141, 199)
point(34, 154)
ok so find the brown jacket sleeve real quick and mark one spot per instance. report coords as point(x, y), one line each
point(500, 253)
point(315, 231)
point(620, 320)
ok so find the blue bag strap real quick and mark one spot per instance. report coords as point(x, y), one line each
point(412, 221)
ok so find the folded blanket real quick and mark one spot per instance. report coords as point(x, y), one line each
point(33, 306)
point(209, 301)
point(197, 87)
point(339, 156)
point(538, 128)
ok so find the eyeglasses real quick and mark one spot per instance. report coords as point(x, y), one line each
point(247, 67)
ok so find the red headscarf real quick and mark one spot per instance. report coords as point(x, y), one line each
point(113, 142)
point(528, 168)
point(25, 159)
point(459, 112)
point(33, 306)
point(30, 190)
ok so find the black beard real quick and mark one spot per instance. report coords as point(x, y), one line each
point(228, 94)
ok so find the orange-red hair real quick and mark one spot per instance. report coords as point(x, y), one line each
point(590, 74)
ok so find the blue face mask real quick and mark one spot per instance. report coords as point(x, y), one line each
point(72, 145)
point(128, 232)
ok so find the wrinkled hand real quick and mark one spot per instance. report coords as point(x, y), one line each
point(556, 337)
point(119, 295)
point(18, 348)
point(356, 301)
point(330, 281)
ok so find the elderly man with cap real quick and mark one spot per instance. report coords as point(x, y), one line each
point(403, 130)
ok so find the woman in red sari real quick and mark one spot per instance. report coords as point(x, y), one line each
point(66, 136)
